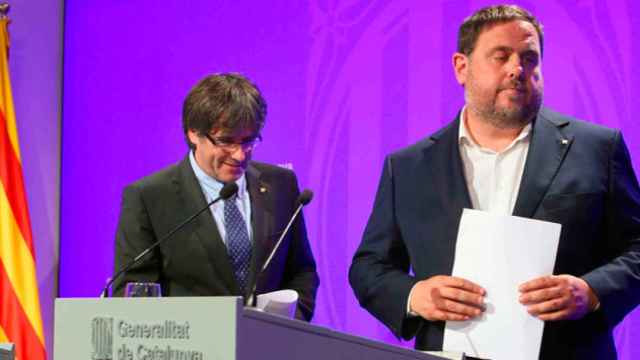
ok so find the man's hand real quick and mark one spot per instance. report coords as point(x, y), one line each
point(447, 298)
point(561, 297)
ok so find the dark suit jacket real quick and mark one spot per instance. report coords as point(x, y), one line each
point(194, 262)
point(576, 174)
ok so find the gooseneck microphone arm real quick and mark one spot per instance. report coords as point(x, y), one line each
point(303, 199)
point(228, 190)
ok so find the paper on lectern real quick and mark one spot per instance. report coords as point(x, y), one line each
point(281, 302)
point(499, 253)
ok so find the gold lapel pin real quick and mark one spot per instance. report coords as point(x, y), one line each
point(263, 189)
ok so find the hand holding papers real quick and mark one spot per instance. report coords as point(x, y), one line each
point(558, 297)
point(500, 253)
point(447, 298)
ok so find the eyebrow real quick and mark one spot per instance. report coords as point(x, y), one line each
point(510, 50)
point(500, 48)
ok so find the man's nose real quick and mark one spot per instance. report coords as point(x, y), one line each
point(516, 68)
point(239, 154)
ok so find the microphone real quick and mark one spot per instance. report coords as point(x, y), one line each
point(227, 191)
point(303, 199)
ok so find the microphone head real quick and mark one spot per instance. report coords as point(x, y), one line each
point(228, 190)
point(305, 197)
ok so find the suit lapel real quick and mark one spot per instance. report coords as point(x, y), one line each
point(443, 164)
point(206, 231)
point(451, 178)
point(548, 148)
point(262, 220)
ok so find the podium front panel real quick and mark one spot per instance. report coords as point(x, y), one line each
point(146, 328)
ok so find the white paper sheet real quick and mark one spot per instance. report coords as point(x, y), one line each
point(499, 253)
point(281, 302)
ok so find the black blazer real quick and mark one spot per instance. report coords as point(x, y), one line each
point(576, 174)
point(194, 262)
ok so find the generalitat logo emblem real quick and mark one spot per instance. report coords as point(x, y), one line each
point(102, 338)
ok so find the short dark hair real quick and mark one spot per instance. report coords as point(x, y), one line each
point(227, 102)
point(490, 15)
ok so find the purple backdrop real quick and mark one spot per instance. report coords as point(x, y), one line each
point(346, 81)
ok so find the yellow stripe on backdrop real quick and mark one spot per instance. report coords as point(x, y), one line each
point(3, 336)
point(19, 265)
point(6, 98)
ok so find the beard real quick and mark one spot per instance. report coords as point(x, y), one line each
point(515, 116)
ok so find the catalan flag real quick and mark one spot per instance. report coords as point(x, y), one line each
point(20, 320)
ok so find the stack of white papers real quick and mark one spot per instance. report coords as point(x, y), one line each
point(500, 253)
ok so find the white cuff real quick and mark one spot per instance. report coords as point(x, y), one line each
point(411, 313)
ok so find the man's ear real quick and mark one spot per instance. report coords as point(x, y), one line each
point(460, 64)
point(193, 137)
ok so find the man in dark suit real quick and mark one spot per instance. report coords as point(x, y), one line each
point(221, 251)
point(505, 154)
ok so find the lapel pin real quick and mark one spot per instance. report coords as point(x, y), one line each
point(564, 141)
point(263, 189)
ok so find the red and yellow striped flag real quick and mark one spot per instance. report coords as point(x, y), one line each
point(20, 320)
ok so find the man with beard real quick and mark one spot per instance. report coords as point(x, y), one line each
point(505, 154)
point(222, 250)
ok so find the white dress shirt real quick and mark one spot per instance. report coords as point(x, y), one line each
point(493, 178)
